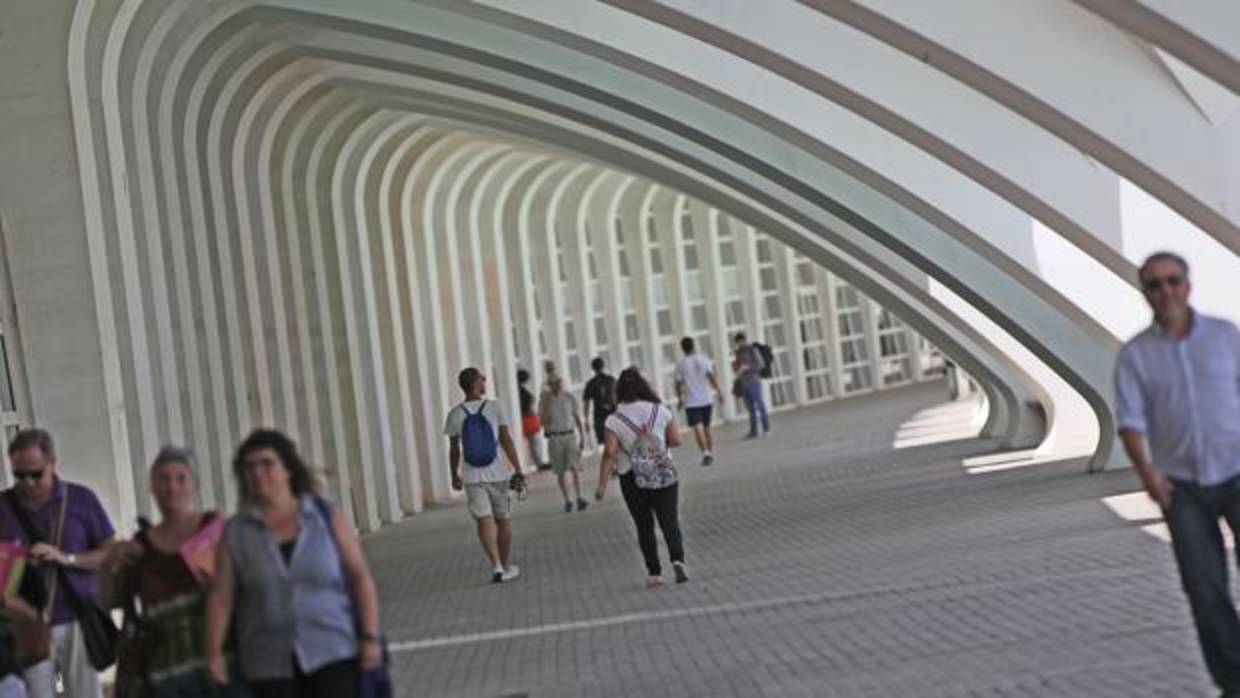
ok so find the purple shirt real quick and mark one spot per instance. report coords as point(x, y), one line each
point(86, 528)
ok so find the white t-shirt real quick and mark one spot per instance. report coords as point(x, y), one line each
point(639, 414)
point(694, 371)
point(494, 412)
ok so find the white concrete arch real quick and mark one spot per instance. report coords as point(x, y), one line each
point(1058, 91)
point(377, 163)
point(396, 172)
point(1204, 35)
point(511, 206)
point(228, 80)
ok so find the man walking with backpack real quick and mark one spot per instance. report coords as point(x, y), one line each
point(477, 429)
point(752, 366)
point(601, 392)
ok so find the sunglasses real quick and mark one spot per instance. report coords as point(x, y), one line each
point(32, 475)
point(1157, 282)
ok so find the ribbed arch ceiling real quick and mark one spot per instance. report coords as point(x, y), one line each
point(272, 178)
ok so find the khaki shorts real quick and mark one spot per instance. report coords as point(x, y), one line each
point(564, 453)
point(489, 499)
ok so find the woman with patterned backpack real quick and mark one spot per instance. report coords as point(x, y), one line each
point(637, 443)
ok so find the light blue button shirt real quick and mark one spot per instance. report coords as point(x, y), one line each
point(301, 608)
point(1185, 397)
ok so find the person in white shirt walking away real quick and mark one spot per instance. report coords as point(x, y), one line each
point(477, 429)
point(698, 390)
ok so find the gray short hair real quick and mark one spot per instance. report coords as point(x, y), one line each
point(176, 454)
point(1162, 256)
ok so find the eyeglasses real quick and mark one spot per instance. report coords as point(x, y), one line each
point(32, 475)
point(1157, 282)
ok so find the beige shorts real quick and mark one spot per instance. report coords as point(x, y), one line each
point(564, 452)
point(489, 499)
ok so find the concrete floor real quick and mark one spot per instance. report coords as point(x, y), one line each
point(824, 562)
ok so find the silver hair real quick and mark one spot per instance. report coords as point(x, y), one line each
point(177, 454)
point(1163, 256)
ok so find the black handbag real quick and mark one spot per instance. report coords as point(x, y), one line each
point(99, 632)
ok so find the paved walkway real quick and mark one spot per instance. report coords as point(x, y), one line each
point(825, 563)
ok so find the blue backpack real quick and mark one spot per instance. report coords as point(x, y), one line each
point(478, 438)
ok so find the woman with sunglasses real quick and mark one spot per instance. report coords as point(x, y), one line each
point(293, 578)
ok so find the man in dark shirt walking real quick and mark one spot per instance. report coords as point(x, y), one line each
point(600, 392)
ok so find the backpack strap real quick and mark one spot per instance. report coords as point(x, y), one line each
point(470, 414)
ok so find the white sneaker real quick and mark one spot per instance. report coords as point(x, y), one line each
point(511, 572)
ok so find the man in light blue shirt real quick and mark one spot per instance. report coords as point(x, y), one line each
point(1178, 387)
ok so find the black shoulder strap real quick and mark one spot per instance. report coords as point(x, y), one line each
point(33, 534)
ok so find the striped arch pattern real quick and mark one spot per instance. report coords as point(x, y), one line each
point(307, 213)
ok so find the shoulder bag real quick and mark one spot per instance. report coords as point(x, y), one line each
point(372, 683)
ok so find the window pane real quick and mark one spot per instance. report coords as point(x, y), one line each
point(693, 286)
point(659, 295)
point(774, 310)
point(764, 251)
point(727, 254)
point(691, 257)
point(665, 322)
point(767, 278)
point(698, 313)
point(805, 272)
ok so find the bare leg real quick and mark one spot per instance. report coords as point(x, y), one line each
point(504, 541)
point(707, 438)
point(576, 483)
point(699, 435)
point(562, 478)
point(487, 536)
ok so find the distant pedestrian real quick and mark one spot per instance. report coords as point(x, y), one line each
point(291, 574)
point(69, 535)
point(599, 399)
point(698, 389)
point(750, 365)
point(531, 423)
point(1178, 386)
point(639, 437)
point(477, 431)
point(566, 437)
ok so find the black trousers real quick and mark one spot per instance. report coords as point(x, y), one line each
point(1193, 519)
point(645, 506)
point(336, 680)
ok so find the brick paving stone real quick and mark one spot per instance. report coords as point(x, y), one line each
point(824, 563)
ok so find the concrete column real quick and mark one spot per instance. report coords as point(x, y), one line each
point(785, 266)
point(826, 294)
point(868, 309)
point(566, 208)
point(636, 221)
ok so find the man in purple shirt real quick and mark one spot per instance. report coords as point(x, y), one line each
point(1178, 387)
point(85, 536)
